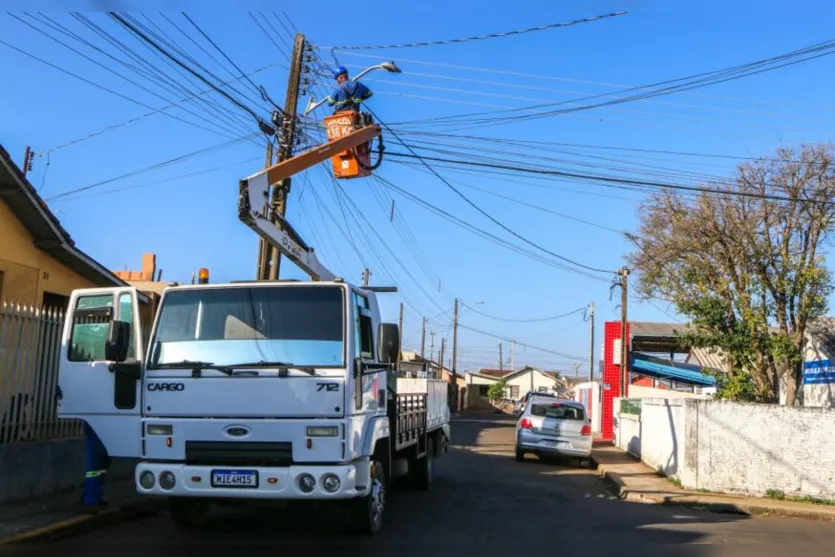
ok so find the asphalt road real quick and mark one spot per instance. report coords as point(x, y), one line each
point(482, 503)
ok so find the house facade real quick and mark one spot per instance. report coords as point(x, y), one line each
point(518, 382)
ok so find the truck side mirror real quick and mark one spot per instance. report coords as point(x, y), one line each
point(117, 342)
point(388, 342)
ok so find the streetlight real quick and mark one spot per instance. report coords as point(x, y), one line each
point(387, 66)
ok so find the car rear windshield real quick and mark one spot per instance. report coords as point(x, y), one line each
point(558, 411)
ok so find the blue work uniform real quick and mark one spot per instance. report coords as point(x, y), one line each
point(97, 462)
point(348, 96)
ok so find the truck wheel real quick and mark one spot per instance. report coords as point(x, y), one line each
point(422, 468)
point(368, 511)
point(188, 513)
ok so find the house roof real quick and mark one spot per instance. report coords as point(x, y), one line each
point(46, 230)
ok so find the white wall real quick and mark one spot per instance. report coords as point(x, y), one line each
point(733, 447)
point(593, 388)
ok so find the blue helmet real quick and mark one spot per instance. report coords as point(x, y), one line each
point(339, 71)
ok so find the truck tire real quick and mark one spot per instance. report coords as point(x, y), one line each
point(421, 468)
point(188, 513)
point(367, 512)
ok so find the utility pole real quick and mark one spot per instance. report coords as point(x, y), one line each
point(27, 160)
point(423, 339)
point(501, 359)
point(400, 331)
point(455, 354)
point(366, 277)
point(432, 346)
point(624, 351)
point(268, 253)
point(512, 342)
point(441, 359)
point(591, 341)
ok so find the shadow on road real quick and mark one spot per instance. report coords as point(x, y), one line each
point(482, 502)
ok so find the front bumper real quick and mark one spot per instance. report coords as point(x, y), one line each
point(280, 483)
point(563, 446)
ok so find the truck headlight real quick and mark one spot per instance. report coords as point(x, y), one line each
point(331, 483)
point(167, 480)
point(307, 483)
point(322, 431)
point(159, 429)
point(146, 479)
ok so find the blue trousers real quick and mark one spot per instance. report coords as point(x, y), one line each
point(97, 462)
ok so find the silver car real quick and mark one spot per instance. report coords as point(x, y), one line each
point(553, 427)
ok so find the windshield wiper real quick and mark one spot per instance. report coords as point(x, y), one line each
point(195, 365)
point(283, 366)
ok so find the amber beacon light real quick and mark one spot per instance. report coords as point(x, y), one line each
point(203, 276)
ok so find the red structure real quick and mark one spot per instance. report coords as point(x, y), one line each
point(611, 376)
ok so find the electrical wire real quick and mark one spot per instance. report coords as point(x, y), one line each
point(525, 345)
point(533, 320)
point(612, 182)
point(177, 61)
point(478, 37)
point(482, 211)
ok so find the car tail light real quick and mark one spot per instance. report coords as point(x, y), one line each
point(586, 431)
point(526, 424)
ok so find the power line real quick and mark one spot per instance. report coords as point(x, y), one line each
point(482, 211)
point(609, 181)
point(153, 167)
point(534, 320)
point(478, 37)
point(261, 123)
point(532, 347)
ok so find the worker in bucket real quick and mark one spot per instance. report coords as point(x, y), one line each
point(349, 94)
point(96, 465)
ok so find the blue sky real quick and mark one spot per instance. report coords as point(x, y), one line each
point(190, 219)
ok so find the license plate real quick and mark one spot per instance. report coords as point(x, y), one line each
point(235, 478)
point(555, 444)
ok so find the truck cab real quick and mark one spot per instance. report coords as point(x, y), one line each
point(277, 390)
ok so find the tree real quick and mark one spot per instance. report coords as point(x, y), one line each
point(748, 271)
point(496, 391)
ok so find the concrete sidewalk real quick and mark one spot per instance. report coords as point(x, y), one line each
point(637, 482)
point(60, 515)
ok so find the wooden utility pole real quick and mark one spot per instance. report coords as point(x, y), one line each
point(511, 355)
point(268, 253)
point(400, 331)
point(624, 351)
point(454, 365)
point(441, 358)
point(423, 339)
point(432, 346)
point(591, 341)
point(501, 358)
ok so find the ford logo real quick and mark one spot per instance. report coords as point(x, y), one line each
point(237, 431)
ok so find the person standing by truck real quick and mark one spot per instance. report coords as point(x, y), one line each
point(97, 461)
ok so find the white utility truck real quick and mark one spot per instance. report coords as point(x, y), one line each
point(259, 390)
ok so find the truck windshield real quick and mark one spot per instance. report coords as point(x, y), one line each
point(299, 325)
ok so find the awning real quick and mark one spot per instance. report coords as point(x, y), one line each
point(664, 369)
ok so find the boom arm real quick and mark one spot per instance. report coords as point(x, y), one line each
point(254, 200)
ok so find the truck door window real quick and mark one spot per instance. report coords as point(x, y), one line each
point(89, 330)
point(364, 340)
point(126, 315)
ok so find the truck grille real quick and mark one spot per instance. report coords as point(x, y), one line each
point(239, 453)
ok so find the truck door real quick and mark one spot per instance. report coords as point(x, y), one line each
point(103, 392)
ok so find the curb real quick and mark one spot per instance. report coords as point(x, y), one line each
point(84, 523)
point(707, 503)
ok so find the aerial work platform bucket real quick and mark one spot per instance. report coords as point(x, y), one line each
point(351, 162)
